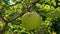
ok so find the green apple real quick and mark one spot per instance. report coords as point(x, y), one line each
point(31, 20)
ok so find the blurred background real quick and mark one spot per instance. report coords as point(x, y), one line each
point(11, 12)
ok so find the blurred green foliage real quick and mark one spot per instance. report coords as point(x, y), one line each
point(50, 19)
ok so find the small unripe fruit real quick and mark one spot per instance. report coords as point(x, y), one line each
point(31, 20)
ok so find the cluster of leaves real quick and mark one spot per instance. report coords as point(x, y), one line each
point(10, 9)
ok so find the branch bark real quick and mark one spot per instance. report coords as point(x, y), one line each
point(4, 20)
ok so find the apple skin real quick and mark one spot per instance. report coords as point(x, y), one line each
point(31, 20)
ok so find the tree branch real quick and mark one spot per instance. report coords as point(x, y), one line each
point(19, 15)
point(31, 5)
point(4, 20)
